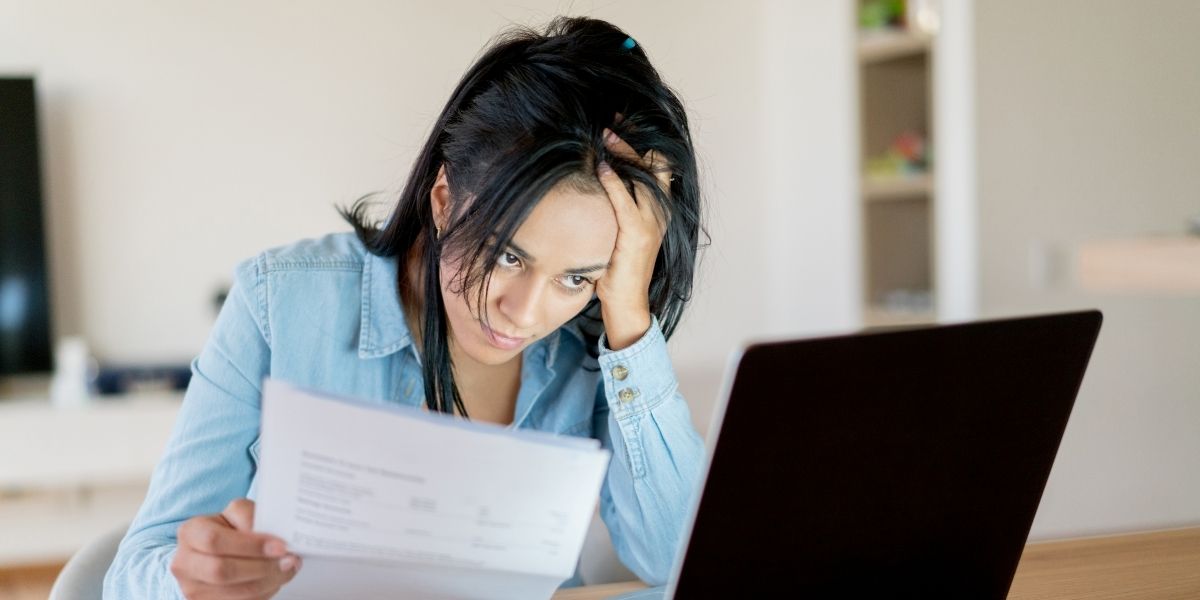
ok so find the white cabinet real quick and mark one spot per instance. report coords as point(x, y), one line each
point(69, 474)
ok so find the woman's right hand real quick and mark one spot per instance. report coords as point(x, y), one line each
point(220, 556)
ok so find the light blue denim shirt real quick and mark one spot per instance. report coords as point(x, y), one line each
point(325, 314)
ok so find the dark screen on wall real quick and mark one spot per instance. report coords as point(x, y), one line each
point(24, 308)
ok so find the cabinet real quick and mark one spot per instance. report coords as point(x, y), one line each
point(70, 474)
point(895, 70)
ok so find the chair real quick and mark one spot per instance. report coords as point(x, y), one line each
point(83, 576)
point(598, 561)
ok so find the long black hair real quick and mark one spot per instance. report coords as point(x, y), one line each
point(529, 114)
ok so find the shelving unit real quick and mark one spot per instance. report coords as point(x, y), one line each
point(895, 91)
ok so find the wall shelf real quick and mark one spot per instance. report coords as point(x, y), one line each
point(880, 316)
point(875, 46)
point(1167, 264)
point(884, 188)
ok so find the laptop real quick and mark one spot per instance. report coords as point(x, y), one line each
point(892, 463)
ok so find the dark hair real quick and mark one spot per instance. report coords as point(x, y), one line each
point(530, 113)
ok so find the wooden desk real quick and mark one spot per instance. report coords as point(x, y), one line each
point(596, 592)
point(1160, 564)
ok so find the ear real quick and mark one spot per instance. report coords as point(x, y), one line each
point(439, 199)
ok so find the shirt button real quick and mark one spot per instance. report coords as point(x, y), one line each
point(619, 372)
point(625, 395)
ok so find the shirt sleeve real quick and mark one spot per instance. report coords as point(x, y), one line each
point(657, 454)
point(206, 463)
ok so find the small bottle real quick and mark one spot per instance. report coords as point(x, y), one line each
point(924, 16)
point(71, 385)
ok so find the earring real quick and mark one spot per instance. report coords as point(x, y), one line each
point(439, 232)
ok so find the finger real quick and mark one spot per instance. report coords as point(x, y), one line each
point(213, 535)
point(653, 161)
point(289, 569)
point(650, 210)
point(661, 167)
point(618, 195)
point(224, 570)
point(620, 147)
point(248, 590)
point(647, 206)
point(240, 514)
point(266, 587)
point(662, 173)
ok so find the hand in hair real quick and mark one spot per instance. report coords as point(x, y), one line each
point(624, 291)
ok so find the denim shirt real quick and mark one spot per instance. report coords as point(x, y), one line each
point(325, 314)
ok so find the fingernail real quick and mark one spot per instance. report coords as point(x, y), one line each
point(603, 168)
point(609, 136)
point(275, 548)
point(289, 563)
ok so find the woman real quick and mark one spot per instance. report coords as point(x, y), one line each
point(539, 256)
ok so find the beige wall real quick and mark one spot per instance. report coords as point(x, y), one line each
point(182, 137)
point(1089, 128)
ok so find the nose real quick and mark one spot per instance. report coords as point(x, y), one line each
point(519, 303)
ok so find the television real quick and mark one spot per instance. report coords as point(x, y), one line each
point(24, 306)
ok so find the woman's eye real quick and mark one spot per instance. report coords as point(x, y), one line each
point(508, 259)
point(575, 282)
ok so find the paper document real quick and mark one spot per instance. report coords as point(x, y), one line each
point(384, 501)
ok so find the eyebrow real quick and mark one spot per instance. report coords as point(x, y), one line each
point(575, 271)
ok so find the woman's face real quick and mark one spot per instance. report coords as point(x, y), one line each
point(542, 279)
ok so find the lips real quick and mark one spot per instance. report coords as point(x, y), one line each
point(501, 341)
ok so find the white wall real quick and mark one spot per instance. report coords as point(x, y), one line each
point(1089, 128)
point(810, 214)
point(182, 137)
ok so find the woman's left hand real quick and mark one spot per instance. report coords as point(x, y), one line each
point(624, 290)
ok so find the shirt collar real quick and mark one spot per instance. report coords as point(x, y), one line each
point(383, 329)
point(568, 330)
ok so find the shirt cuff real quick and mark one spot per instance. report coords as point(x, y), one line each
point(640, 377)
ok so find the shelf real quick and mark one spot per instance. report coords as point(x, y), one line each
point(1168, 264)
point(876, 188)
point(107, 442)
point(875, 46)
point(878, 316)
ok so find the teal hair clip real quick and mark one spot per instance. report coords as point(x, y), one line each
point(628, 44)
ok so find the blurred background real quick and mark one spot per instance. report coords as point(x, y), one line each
point(865, 163)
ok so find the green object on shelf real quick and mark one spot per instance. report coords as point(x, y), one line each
point(908, 154)
point(877, 14)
